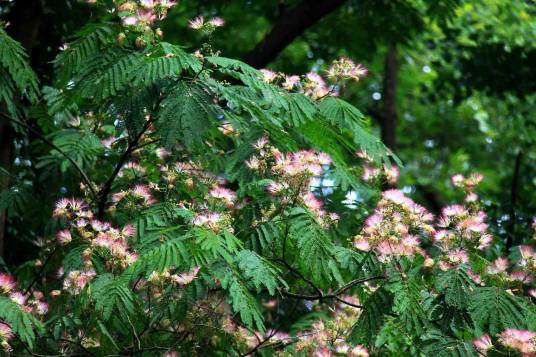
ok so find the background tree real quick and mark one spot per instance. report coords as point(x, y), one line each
point(210, 206)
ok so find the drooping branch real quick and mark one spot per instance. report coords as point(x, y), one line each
point(41, 137)
point(290, 24)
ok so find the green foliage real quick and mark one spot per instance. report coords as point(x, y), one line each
point(457, 287)
point(371, 320)
point(22, 323)
point(186, 115)
point(494, 309)
point(112, 298)
point(206, 274)
point(347, 117)
point(16, 75)
point(258, 271)
point(437, 344)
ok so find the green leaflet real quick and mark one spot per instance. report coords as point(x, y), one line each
point(22, 323)
point(186, 115)
point(493, 310)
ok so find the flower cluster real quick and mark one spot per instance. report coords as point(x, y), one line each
point(522, 341)
point(522, 272)
point(207, 26)
point(159, 281)
point(213, 221)
point(143, 13)
point(345, 68)
point(393, 229)
point(33, 303)
point(292, 175)
point(377, 175)
point(76, 280)
point(325, 338)
point(462, 228)
point(134, 197)
point(313, 84)
point(467, 183)
point(110, 243)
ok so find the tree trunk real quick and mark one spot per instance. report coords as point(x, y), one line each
point(24, 20)
point(389, 117)
point(291, 24)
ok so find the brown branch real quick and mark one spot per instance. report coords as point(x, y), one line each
point(291, 23)
point(335, 294)
point(107, 187)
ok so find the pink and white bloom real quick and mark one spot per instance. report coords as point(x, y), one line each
point(197, 23)
point(7, 283)
point(64, 237)
point(483, 343)
point(523, 341)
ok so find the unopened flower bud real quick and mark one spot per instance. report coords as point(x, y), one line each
point(128, 6)
point(159, 33)
point(140, 42)
point(121, 38)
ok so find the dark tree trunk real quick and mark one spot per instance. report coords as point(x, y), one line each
point(24, 20)
point(388, 119)
point(291, 24)
point(516, 175)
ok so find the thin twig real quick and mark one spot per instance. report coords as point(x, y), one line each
point(40, 273)
point(84, 176)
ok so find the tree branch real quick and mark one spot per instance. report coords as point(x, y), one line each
point(335, 294)
point(291, 24)
point(85, 178)
point(107, 187)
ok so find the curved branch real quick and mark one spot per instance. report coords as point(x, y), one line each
point(85, 178)
point(335, 294)
point(291, 24)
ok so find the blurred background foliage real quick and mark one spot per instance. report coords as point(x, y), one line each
point(451, 87)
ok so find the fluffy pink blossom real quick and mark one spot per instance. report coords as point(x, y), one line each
point(457, 180)
point(291, 82)
point(197, 23)
point(7, 283)
point(226, 195)
point(260, 143)
point(345, 68)
point(6, 333)
point(498, 266)
point(216, 22)
point(275, 188)
point(143, 192)
point(483, 343)
point(64, 237)
point(523, 341)
point(186, 278)
point(268, 75)
point(76, 280)
point(18, 297)
point(129, 20)
point(162, 153)
point(359, 351)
